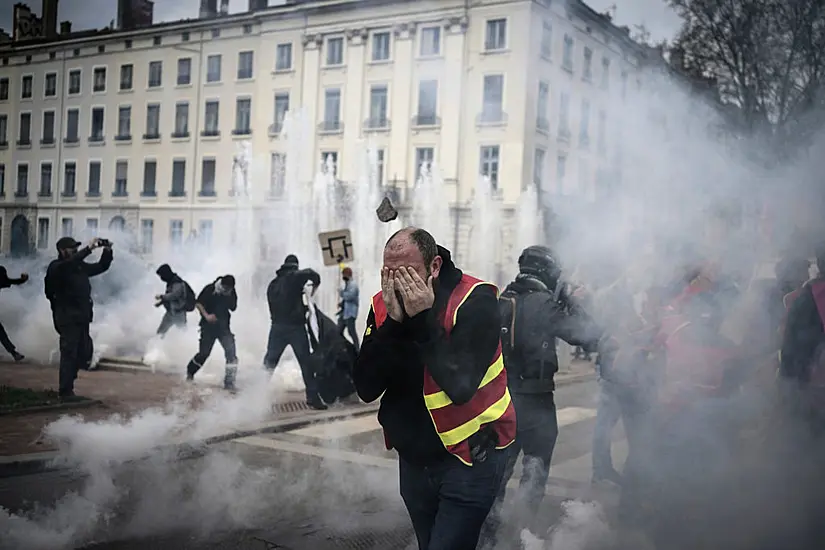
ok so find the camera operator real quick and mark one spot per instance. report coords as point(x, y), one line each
point(70, 294)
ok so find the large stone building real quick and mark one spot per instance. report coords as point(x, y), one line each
point(138, 129)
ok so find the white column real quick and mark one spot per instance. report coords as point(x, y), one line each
point(450, 94)
point(398, 162)
point(310, 97)
point(353, 102)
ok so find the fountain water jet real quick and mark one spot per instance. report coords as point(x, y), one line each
point(485, 235)
point(431, 211)
point(529, 219)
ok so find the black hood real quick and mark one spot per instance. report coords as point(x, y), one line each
point(526, 282)
point(286, 268)
point(450, 275)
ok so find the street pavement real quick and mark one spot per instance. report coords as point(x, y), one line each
point(323, 486)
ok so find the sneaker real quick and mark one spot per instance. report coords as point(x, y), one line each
point(18, 356)
point(317, 404)
point(230, 387)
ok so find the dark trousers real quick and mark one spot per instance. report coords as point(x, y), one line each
point(210, 335)
point(349, 326)
point(449, 502)
point(171, 320)
point(294, 336)
point(76, 351)
point(6, 341)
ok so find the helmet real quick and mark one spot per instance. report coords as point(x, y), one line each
point(540, 262)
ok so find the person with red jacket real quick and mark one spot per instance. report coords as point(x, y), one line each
point(432, 353)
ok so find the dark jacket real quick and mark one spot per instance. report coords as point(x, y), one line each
point(68, 287)
point(6, 282)
point(392, 358)
point(285, 294)
point(540, 319)
point(803, 333)
point(219, 305)
point(174, 300)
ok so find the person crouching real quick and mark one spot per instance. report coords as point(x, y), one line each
point(215, 303)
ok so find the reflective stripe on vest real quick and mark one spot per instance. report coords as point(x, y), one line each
point(491, 404)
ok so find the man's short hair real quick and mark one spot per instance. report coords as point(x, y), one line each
point(422, 240)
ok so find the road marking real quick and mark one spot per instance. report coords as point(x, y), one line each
point(571, 415)
point(340, 429)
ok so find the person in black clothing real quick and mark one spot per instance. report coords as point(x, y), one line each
point(70, 293)
point(287, 311)
point(215, 303)
point(6, 282)
point(535, 311)
point(447, 500)
point(174, 300)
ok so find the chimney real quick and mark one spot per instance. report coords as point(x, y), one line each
point(224, 7)
point(65, 27)
point(48, 15)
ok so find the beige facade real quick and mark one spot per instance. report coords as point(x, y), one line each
point(139, 128)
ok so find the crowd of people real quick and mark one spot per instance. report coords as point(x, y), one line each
point(465, 373)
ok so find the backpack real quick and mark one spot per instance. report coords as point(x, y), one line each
point(522, 350)
point(190, 299)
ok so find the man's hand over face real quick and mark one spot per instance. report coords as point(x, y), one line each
point(418, 295)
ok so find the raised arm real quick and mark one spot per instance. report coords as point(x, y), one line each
point(101, 266)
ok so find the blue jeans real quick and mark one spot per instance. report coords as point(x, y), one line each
point(449, 502)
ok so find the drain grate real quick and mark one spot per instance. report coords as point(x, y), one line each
point(290, 407)
point(396, 539)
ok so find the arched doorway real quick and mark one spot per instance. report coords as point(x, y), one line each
point(118, 223)
point(20, 237)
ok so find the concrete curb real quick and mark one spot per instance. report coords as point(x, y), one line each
point(36, 463)
point(57, 407)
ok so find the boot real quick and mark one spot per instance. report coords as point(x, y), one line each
point(229, 377)
point(191, 369)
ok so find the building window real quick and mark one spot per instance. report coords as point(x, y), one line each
point(564, 115)
point(381, 46)
point(430, 41)
point(378, 107)
point(208, 178)
point(427, 102)
point(43, 233)
point(561, 172)
point(243, 116)
point(126, 77)
point(155, 74)
point(538, 168)
point(205, 232)
point(181, 119)
point(99, 79)
point(50, 85)
point(335, 51)
point(567, 58)
point(547, 40)
point(587, 73)
point(147, 230)
point(22, 180)
point(2, 179)
point(332, 109)
point(496, 35)
point(93, 187)
point(281, 109)
point(156, 41)
point(542, 122)
point(150, 175)
point(584, 124)
point(98, 124)
point(489, 164)
point(4, 89)
point(246, 61)
point(605, 82)
point(247, 29)
point(424, 157)
point(4, 130)
point(25, 136)
point(74, 81)
point(379, 166)
point(48, 128)
point(176, 232)
point(213, 68)
point(178, 178)
point(329, 161)
point(283, 57)
point(124, 122)
point(27, 87)
point(46, 179)
point(67, 227)
point(152, 121)
point(72, 125)
point(212, 118)
point(493, 98)
point(184, 71)
point(602, 137)
point(121, 179)
point(92, 226)
point(277, 174)
point(216, 33)
point(127, 44)
point(184, 37)
point(69, 181)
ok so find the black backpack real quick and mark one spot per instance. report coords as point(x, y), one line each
point(519, 348)
point(189, 302)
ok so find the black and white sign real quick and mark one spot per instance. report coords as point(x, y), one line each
point(336, 247)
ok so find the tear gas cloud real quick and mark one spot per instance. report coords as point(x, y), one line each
point(679, 173)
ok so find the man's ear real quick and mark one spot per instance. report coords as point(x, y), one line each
point(435, 267)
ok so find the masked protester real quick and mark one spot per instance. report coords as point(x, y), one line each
point(348, 307)
point(535, 311)
point(70, 294)
point(288, 311)
point(432, 354)
point(6, 282)
point(215, 303)
point(174, 300)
